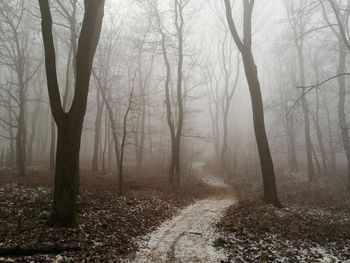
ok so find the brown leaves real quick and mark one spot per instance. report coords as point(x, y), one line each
point(262, 233)
point(109, 223)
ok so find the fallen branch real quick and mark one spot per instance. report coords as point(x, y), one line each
point(20, 251)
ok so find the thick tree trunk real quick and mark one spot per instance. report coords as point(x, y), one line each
point(245, 47)
point(66, 174)
point(268, 173)
point(70, 124)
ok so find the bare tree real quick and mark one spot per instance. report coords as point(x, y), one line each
point(70, 124)
point(245, 47)
point(296, 20)
point(343, 49)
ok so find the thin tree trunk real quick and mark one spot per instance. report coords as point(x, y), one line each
point(168, 102)
point(341, 106)
point(11, 160)
point(105, 143)
point(310, 166)
point(179, 24)
point(33, 133)
point(21, 132)
point(98, 122)
point(333, 161)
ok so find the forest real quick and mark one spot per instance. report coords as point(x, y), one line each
point(177, 131)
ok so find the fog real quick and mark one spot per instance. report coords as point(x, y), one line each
point(129, 53)
point(133, 116)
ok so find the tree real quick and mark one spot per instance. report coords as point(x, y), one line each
point(297, 23)
point(70, 124)
point(175, 123)
point(343, 49)
point(245, 47)
point(98, 122)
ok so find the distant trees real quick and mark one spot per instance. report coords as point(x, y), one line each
point(297, 23)
point(245, 47)
point(222, 75)
point(70, 124)
point(16, 41)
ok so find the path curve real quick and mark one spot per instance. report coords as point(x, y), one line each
point(188, 237)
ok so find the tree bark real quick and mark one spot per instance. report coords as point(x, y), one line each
point(66, 174)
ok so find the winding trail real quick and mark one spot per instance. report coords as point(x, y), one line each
point(189, 236)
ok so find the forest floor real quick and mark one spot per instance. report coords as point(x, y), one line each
point(313, 226)
point(150, 222)
point(110, 224)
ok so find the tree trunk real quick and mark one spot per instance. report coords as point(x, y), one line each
point(179, 24)
point(52, 144)
point(21, 129)
point(70, 124)
point(268, 173)
point(341, 107)
point(21, 143)
point(98, 122)
point(333, 160)
point(320, 138)
point(291, 142)
point(105, 143)
point(11, 159)
point(66, 174)
point(245, 47)
point(310, 166)
point(33, 133)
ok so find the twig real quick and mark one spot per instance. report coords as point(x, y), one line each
point(312, 87)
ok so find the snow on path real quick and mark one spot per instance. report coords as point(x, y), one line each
point(189, 236)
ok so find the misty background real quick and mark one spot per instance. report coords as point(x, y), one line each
point(129, 54)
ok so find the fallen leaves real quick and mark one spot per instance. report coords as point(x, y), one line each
point(252, 231)
point(110, 224)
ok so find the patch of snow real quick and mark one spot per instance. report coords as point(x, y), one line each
point(214, 181)
point(326, 256)
point(188, 237)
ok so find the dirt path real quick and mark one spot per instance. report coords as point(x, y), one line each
point(187, 237)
